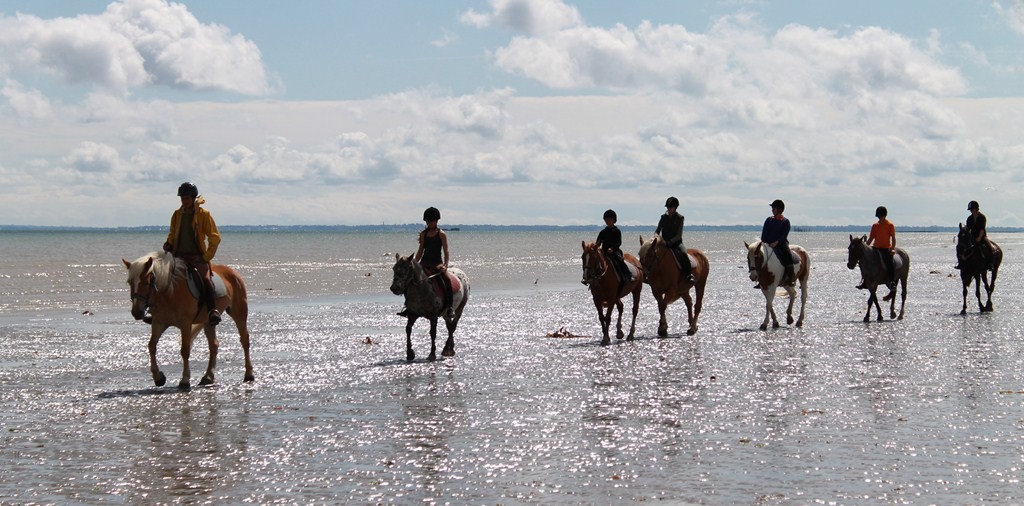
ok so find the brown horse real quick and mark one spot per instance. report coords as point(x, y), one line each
point(599, 274)
point(422, 301)
point(974, 267)
point(667, 284)
point(157, 283)
point(873, 271)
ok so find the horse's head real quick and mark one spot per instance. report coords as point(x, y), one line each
point(755, 259)
point(963, 242)
point(594, 265)
point(649, 252)
point(406, 271)
point(141, 284)
point(856, 250)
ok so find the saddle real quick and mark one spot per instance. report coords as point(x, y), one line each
point(632, 269)
point(437, 282)
point(195, 284)
point(897, 261)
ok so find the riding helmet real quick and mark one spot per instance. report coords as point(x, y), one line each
point(431, 214)
point(188, 190)
point(973, 205)
point(672, 202)
point(779, 204)
point(881, 212)
point(610, 214)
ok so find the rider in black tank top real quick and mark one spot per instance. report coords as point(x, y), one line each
point(433, 255)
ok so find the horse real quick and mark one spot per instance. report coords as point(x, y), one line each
point(872, 269)
point(766, 269)
point(157, 282)
point(422, 300)
point(973, 266)
point(667, 285)
point(600, 276)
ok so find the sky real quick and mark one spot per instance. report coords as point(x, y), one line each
point(511, 112)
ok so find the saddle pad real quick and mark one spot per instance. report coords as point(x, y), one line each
point(219, 290)
point(633, 271)
point(897, 262)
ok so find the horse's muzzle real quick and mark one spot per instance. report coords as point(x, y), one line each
point(753, 275)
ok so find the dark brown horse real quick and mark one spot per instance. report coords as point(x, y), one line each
point(423, 301)
point(667, 284)
point(157, 283)
point(874, 273)
point(599, 274)
point(975, 267)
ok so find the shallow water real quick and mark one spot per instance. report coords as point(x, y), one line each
point(927, 410)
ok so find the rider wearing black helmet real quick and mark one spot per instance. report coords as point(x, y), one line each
point(194, 238)
point(432, 254)
point(975, 226)
point(775, 233)
point(609, 240)
point(670, 227)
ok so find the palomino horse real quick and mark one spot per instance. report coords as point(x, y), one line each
point(157, 282)
point(765, 268)
point(873, 270)
point(600, 276)
point(667, 285)
point(422, 300)
point(973, 266)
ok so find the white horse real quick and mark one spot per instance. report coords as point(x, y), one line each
point(766, 269)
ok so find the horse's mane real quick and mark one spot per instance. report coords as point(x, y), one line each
point(164, 268)
point(646, 245)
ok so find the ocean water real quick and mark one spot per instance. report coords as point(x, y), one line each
point(927, 410)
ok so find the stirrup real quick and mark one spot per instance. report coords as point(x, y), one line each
point(147, 318)
point(214, 317)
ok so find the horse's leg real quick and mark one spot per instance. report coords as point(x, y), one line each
point(662, 321)
point(977, 291)
point(789, 307)
point(214, 344)
point(699, 301)
point(605, 322)
point(433, 339)
point(878, 307)
point(636, 309)
point(803, 302)
point(990, 286)
point(239, 312)
point(867, 315)
point(692, 328)
point(186, 352)
point(409, 354)
point(158, 377)
point(618, 326)
point(964, 280)
point(903, 296)
point(769, 311)
point(449, 344)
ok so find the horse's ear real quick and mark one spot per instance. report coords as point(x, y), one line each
point(127, 264)
point(961, 226)
point(745, 245)
point(583, 244)
point(864, 238)
point(851, 237)
point(397, 257)
point(641, 239)
point(149, 263)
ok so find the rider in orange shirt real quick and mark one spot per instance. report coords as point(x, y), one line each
point(883, 237)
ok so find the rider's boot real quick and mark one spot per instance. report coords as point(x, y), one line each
point(211, 309)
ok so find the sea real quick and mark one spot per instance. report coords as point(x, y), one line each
point(924, 410)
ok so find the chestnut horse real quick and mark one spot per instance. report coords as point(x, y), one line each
point(974, 267)
point(157, 282)
point(667, 285)
point(599, 274)
point(423, 301)
point(874, 273)
point(766, 269)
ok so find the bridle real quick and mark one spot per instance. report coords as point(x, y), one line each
point(588, 275)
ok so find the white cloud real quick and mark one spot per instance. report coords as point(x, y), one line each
point(1012, 13)
point(134, 43)
point(532, 17)
point(26, 104)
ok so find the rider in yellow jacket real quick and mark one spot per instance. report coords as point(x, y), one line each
point(199, 247)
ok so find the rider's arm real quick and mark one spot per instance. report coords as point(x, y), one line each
point(444, 247)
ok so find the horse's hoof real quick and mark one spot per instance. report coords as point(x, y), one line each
point(606, 341)
point(410, 356)
point(448, 352)
point(764, 326)
point(691, 331)
point(184, 385)
point(664, 333)
point(249, 377)
point(160, 379)
point(799, 324)
point(789, 320)
point(432, 357)
point(207, 380)
point(775, 325)
point(867, 319)
point(963, 311)
point(880, 318)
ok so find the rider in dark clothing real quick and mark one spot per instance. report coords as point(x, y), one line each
point(775, 233)
point(670, 226)
point(975, 226)
point(609, 240)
